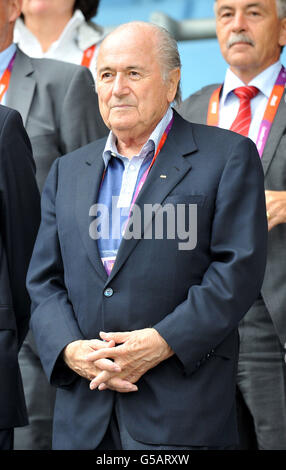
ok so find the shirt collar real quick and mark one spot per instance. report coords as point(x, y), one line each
point(152, 143)
point(23, 35)
point(70, 30)
point(5, 57)
point(264, 81)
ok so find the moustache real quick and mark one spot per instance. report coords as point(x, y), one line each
point(237, 38)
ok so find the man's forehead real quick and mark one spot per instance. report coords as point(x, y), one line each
point(244, 3)
point(128, 37)
point(134, 55)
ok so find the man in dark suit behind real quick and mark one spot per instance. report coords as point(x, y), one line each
point(251, 36)
point(59, 109)
point(139, 331)
point(19, 219)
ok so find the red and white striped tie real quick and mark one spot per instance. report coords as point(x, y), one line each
point(242, 121)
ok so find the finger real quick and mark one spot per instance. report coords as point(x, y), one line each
point(99, 344)
point(100, 378)
point(272, 223)
point(108, 353)
point(118, 385)
point(117, 337)
point(108, 365)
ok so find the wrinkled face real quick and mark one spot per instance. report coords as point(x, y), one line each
point(132, 94)
point(9, 12)
point(250, 33)
point(57, 7)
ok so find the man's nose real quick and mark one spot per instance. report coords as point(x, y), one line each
point(120, 85)
point(239, 22)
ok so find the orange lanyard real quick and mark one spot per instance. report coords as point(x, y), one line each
point(269, 115)
point(88, 55)
point(213, 109)
point(5, 79)
point(144, 177)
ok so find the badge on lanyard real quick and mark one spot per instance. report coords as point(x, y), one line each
point(88, 55)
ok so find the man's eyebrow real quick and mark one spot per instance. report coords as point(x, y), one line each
point(104, 69)
point(256, 5)
point(137, 67)
point(248, 5)
point(129, 67)
point(224, 8)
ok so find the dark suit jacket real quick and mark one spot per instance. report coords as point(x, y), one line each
point(194, 298)
point(58, 105)
point(19, 220)
point(274, 165)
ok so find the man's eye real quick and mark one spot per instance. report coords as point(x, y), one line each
point(225, 14)
point(254, 13)
point(106, 75)
point(133, 73)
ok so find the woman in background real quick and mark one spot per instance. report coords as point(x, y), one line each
point(59, 30)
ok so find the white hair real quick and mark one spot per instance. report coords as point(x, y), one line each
point(281, 8)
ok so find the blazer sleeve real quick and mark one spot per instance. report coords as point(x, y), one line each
point(234, 277)
point(20, 212)
point(80, 119)
point(46, 276)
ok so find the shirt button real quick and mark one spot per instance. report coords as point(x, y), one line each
point(132, 167)
point(108, 292)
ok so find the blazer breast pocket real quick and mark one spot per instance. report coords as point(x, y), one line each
point(191, 215)
point(198, 199)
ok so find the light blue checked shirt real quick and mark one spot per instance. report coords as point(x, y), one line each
point(121, 178)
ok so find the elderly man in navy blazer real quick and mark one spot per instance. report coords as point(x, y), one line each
point(151, 248)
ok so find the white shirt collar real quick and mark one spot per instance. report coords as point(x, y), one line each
point(22, 35)
point(70, 30)
point(264, 81)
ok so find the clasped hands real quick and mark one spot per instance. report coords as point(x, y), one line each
point(118, 360)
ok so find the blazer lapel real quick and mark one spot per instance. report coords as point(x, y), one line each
point(22, 85)
point(88, 184)
point(276, 132)
point(172, 164)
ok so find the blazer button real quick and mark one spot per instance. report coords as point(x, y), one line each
point(108, 292)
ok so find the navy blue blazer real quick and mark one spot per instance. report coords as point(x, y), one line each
point(194, 298)
point(19, 221)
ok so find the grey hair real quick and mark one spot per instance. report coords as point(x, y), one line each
point(167, 50)
point(281, 8)
point(168, 53)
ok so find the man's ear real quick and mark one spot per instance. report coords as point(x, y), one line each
point(15, 7)
point(282, 34)
point(174, 78)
